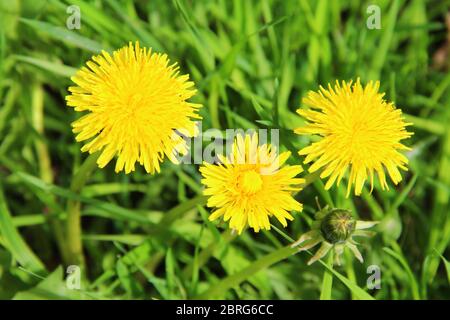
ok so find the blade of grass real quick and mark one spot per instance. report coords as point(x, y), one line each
point(386, 40)
point(412, 280)
point(63, 34)
point(220, 288)
point(327, 281)
point(53, 67)
point(15, 243)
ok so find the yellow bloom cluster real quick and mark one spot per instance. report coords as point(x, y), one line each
point(137, 105)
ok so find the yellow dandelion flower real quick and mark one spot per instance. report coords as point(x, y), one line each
point(359, 131)
point(136, 103)
point(250, 185)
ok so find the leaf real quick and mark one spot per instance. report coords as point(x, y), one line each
point(130, 239)
point(327, 282)
point(218, 289)
point(404, 194)
point(357, 291)
point(102, 189)
point(203, 49)
point(144, 35)
point(113, 211)
point(170, 272)
point(15, 243)
point(127, 280)
point(56, 68)
point(430, 125)
point(379, 59)
point(233, 280)
point(447, 266)
point(53, 287)
point(412, 280)
point(139, 255)
point(174, 213)
point(63, 34)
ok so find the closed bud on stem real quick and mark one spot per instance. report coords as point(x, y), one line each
point(334, 229)
point(337, 226)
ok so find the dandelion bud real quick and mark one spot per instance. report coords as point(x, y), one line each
point(335, 230)
point(337, 226)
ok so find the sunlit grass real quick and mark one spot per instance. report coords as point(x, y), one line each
point(149, 236)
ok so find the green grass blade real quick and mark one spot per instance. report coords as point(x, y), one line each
point(412, 279)
point(327, 281)
point(55, 68)
point(15, 243)
point(63, 34)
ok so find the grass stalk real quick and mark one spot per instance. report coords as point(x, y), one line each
point(327, 281)
point(74, 243)
point(220, 288)
point(45, 165)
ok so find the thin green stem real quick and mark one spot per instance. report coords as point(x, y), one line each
point(327, 282)
point(311, 177)
point(74, 244)
point(283, 234)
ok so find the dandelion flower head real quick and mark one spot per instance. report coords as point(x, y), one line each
point(136, 104)
point(251, 184)
point(359, 131)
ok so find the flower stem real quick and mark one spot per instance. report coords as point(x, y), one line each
point(311, 177)
point(327, 282)
point(74, 244)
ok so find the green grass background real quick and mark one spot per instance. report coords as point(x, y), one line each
point(148, 236)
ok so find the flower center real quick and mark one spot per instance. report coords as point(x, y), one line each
point(251, 182)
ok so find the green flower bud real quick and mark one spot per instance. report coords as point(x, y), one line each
point(337, 226)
